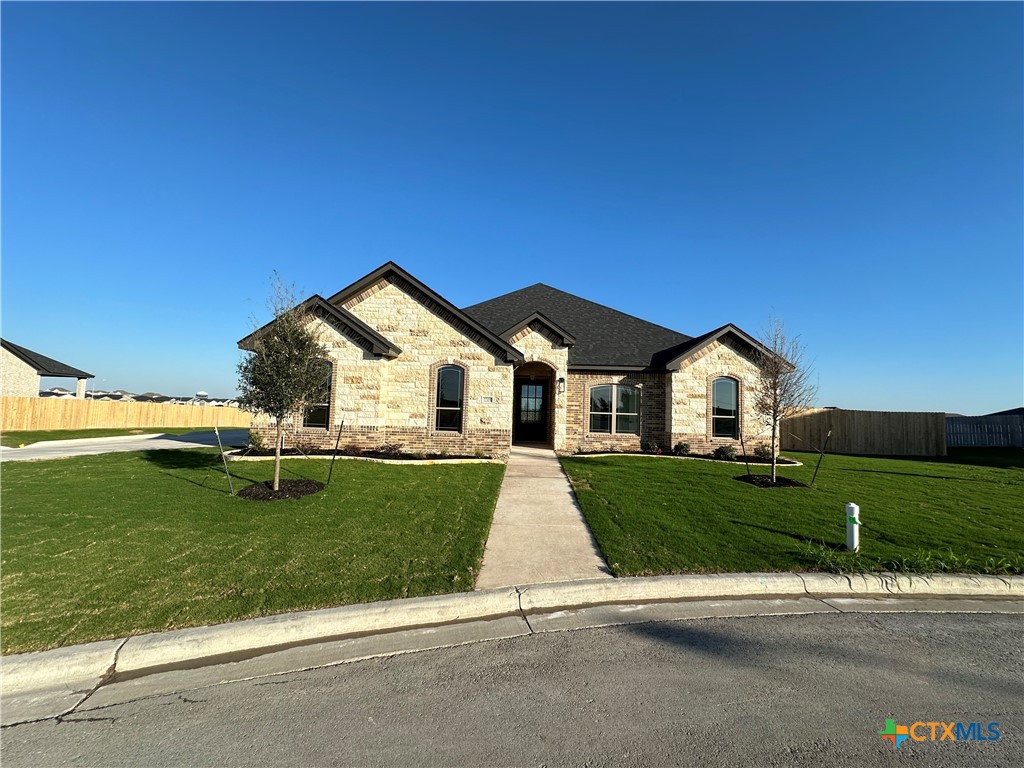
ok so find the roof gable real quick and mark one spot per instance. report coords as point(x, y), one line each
point(341, 319)
point(45, 366)
point(672, 359)
point(435, 303)
point(564, 337)
point(604, 337)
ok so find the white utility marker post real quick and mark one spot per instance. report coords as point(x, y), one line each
point(852, 527)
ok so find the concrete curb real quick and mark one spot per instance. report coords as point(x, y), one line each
point(94, 664)
point(189, 648)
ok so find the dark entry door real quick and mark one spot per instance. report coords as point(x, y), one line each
point(531, 412)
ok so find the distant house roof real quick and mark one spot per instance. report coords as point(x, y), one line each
point(603, 337)
point(45, 366)
point(1010, 412)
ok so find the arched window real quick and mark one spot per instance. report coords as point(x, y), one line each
point(318, 414)
point(725, 396)
point(615, 409)
point(450, 384)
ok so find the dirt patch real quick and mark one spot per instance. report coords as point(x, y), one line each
point(288, 489)
point(765, 481)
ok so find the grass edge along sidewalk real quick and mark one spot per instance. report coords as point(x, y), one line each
point(656, 515)
point(105, 546)
point(17, 439)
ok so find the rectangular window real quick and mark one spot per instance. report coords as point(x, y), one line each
point(601, 409)
point(615, 409)
point(318, 414)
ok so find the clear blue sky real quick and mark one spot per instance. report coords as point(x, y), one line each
point(855, 169)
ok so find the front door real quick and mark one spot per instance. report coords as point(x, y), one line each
point(531, 412)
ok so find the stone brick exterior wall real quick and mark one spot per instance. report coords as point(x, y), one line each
point(689, 392)
point(17, 378)
point(376, 401)
point(539, 345)
point(652, 412)
point(393, 401)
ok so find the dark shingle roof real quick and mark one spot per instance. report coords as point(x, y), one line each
point(45, 366)
point(604, 336)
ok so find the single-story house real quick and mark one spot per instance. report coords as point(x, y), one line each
point(22, 368)
point(536, 365)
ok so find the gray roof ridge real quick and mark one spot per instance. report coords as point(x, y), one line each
point(604, 307)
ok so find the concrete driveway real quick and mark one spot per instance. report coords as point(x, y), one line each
point(63, 449)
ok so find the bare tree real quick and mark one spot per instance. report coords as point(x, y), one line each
point(784, 387)
point(283, 372)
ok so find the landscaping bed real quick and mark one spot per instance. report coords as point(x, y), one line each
point(735, 459)
point(661, 517)
point(104, 546)
point(351, 453)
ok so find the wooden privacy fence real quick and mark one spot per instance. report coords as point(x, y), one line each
point(31, 413)
point(878, 433)
point(985, 431)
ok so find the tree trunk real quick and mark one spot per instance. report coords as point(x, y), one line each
point(775, 432)
point(277, 458)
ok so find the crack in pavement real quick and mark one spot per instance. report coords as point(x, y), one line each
point(519, 597)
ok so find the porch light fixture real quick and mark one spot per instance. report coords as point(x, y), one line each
point(561, 386)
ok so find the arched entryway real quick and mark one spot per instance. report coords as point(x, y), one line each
point(533, 404)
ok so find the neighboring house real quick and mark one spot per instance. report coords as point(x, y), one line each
point(535, 365)
point(21, 369)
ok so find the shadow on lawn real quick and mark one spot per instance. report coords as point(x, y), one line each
point(204, 469)
point(917, 474)
point(799, 537)
point(199, 468)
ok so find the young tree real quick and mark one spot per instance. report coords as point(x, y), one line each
point(283, 372)
point(784, 386)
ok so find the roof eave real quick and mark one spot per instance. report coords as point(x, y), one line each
point(69, 372)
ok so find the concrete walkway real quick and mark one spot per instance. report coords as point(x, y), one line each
point(538, 534)
point(90, 446)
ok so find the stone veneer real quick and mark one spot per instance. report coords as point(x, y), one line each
point(17, 378)
point(392, 401)
point(689, 392)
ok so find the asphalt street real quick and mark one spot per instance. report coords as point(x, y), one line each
point(782, 690)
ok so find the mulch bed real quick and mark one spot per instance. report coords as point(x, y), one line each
point(291, 453)
point(738, 460)
point(765, 481)
point(288, 489)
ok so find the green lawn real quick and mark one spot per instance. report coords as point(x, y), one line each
point(15, 439)
point(658, 515)
point(102, 546)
